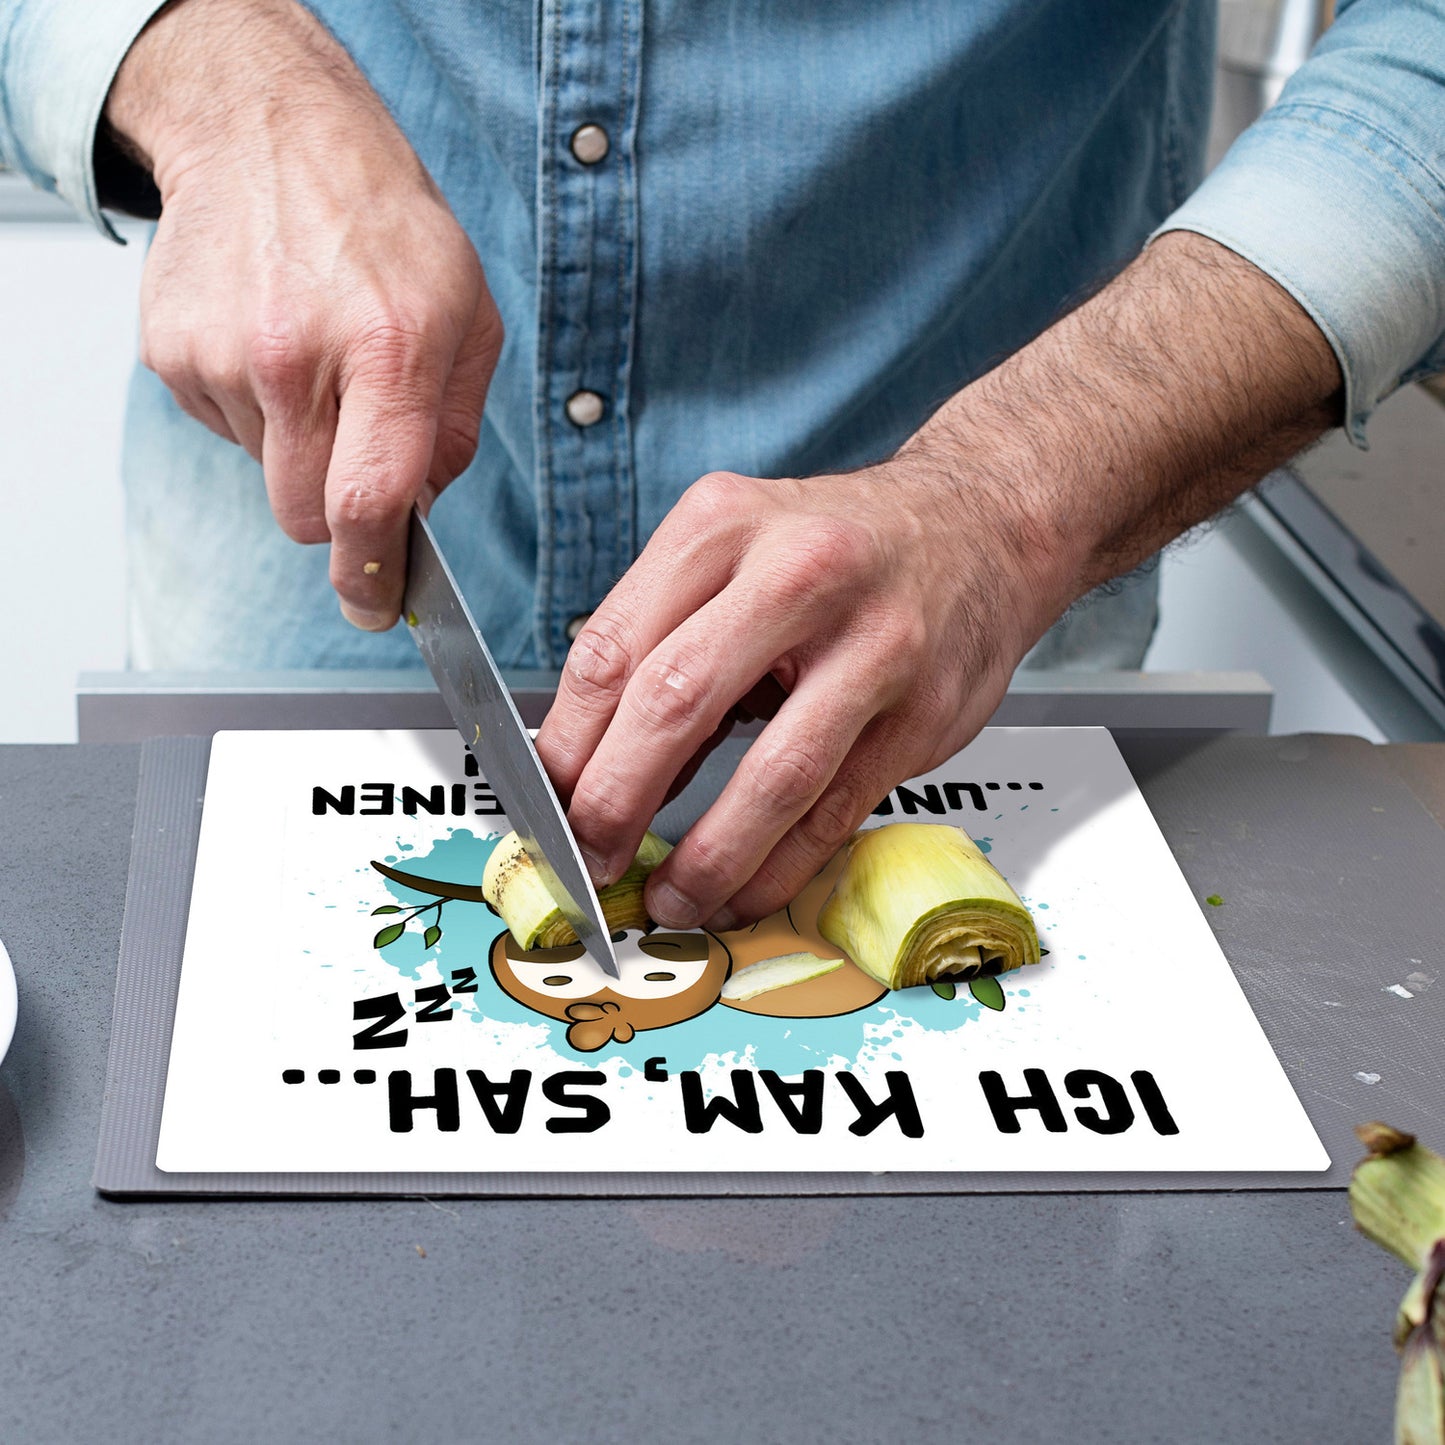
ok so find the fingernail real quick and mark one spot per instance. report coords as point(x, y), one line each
point(598, 869)
point(669, 908)
point(723, 921)
point(367, 621)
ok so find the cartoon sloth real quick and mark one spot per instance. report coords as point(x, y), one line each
point(668, 977)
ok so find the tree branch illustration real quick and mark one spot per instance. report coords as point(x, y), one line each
point(442, 891)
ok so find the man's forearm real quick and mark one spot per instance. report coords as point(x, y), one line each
point(200, 62)
point(1145, 411)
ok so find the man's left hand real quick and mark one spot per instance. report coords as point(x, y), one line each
point(891, 605)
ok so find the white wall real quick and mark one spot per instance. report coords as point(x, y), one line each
point(1220, 611)
point(67, 337)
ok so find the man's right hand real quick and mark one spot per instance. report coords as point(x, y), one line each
point(308, 293)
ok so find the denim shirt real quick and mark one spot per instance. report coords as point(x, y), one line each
point(813, 221)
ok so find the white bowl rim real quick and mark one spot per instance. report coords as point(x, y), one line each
point(9, 1001)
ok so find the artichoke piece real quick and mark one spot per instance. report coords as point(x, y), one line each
point(917, 902)
point(513, 887)
point(1397, 1197)
point(771, 973)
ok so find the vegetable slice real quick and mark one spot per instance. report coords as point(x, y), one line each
point(772, 973)
point(513, 886)
point(917, 902)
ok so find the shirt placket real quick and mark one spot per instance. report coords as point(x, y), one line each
point(587, 254)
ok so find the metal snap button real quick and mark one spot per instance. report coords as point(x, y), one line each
point(590, 144)
point(584, 408)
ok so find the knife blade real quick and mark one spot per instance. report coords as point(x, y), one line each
point(487, 718)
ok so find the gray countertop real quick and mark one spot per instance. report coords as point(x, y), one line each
point(1134, 1316)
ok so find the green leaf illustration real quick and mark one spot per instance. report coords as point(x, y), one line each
point(389, 934)
point(431, 935)
point(385, 908)
point(944, 989)
point(988, 991)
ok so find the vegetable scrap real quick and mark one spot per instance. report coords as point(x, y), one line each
point(773, 973)
point(1397, 1198)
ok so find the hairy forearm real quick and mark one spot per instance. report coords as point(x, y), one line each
point(210, 74)
point(1145, 411)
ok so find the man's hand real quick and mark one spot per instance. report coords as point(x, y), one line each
point(308, 293)
point(893, 604)
point(889, 604)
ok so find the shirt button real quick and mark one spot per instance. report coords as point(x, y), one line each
point(584, 408)
point(576, 625)
point(590, 144)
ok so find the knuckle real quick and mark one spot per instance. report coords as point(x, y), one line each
point(718, 497)
point(596, 811)
point(365, 503)
point(394, 342)
point(712, 870)
point(830, 821)
point(903, 634)
point(826, 560)
point(278, 357)
point(669, 695)
point(599, 662)
point(491, 329)
point(931, 708)
point(300, 521)
point(168, 356)
point(456, 445)
point(787, 773)
point(833, 547)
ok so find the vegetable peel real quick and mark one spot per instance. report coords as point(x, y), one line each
point(774, 973)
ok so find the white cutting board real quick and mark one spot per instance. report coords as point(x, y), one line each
point(301, 1045)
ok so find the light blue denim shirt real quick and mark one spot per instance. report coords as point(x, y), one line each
point(814, 221)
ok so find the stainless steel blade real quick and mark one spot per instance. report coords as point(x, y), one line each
point(491, 727)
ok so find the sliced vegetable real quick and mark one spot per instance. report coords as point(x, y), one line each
point(917, 902)
point(1397, 1197)
point(780, 972)
point(513, 886)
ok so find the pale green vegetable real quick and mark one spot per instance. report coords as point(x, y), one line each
point(917, 902)
point(780, 972)
point(512, 885)
point(1397, 1197)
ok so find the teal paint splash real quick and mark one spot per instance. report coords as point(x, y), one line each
point(787, 1045)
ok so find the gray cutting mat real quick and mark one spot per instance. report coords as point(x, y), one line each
point(1332, 874)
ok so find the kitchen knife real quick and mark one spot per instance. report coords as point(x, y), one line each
point(491, 727)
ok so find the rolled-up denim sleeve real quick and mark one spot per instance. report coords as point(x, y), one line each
point(57, 61)
point(1338, 193)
